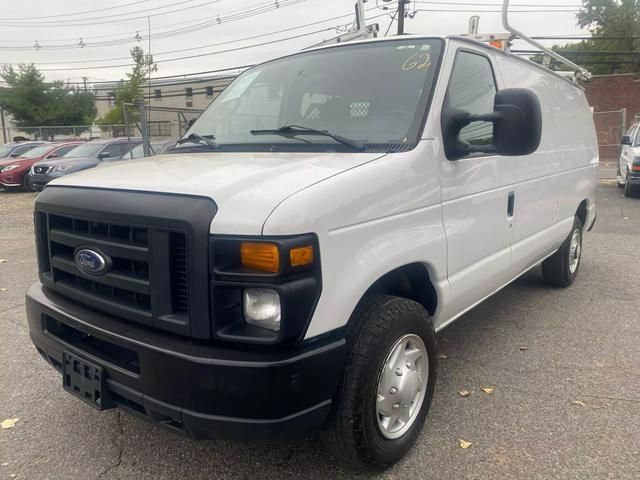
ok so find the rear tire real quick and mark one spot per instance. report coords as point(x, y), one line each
point(561, 268)
point(388, 383)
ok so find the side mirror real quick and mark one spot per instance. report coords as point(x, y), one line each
point(625, 140)
point(53, 155)
point(103, 155)
point(517, 126)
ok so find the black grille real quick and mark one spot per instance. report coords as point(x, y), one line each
point(158, 245)
point(179, 272)
point(125, 290)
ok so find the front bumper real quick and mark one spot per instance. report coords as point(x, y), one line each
point(10, 180)
point(193, 387)
point(38, 182)
point(634, 178)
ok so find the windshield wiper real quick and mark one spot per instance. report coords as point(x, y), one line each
point(293, 130)
point(197, 138)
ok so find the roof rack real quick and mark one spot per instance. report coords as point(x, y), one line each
point(578, 72)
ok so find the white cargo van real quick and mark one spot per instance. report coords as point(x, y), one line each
point(287, 267)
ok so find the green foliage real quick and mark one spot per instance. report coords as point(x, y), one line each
point(129, 90)
point(608, 18)
point(33, 102)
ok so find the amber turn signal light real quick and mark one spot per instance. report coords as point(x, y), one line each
point(301, 256)
point(261, 256)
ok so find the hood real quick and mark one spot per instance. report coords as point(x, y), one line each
point(77, 163)
point(9, 161)
point(245, 186)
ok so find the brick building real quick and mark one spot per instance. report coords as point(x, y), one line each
point(609, 95)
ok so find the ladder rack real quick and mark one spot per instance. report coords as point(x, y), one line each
point(579, 72)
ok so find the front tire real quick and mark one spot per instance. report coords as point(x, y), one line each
point(388, 383)
point(561, 268)
point(25, 184)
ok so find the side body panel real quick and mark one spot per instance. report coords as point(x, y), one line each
point(369, 220)
point(554, 180)
point(475, 193)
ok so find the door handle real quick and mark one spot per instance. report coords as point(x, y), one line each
point(511, 203)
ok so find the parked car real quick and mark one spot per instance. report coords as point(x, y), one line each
point(629, 163)
point(14, 172)
point(287, 266)
point(16, 149)
point(157, 147)
point(85, 156)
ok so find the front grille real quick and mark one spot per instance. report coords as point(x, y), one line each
point(156, 248)
point(125, 290)
point(179, 272)
point(40, 169)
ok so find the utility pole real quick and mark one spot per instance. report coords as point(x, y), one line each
point(84, 80)
point(401, 17)
point(4, 131)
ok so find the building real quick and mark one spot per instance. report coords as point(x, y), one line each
point(181, 93)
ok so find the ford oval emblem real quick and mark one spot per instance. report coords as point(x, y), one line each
point(91, 262)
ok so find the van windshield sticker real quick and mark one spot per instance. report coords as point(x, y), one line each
point(418, 61)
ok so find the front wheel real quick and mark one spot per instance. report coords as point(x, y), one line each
point(561, 268)
point(25, 184)
point(628, 188)
point(388, 383)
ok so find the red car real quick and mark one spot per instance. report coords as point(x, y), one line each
point(13, 171)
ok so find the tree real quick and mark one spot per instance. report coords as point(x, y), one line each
point(33, 102)
point(129, 90)
point(604, 19)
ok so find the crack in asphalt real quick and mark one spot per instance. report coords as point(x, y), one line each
point(117, 441)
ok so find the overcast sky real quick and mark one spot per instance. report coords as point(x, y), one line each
point(62, 23)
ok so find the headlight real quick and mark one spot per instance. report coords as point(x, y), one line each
point(261, 307)
point(61, 168)
point(8, 168)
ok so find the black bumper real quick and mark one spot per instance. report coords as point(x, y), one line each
point(193, 387)
point(38, 182)
point(634, 178)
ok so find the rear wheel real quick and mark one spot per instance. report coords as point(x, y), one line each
point(388, 383)
point(561, 268)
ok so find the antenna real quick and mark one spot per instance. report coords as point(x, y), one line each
point(579, 72)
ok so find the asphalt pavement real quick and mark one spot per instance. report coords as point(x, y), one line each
point(564, 366)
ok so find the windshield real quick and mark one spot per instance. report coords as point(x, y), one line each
point(37, 152)
point(5, 150)
point(85, 150)
point(373, 93)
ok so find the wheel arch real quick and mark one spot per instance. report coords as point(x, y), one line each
point(582, 212)
point(412, 281)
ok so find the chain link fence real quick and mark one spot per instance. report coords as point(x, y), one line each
point(159, 127)
point(58, 133)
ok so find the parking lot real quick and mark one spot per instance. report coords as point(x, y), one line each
point(564, 366)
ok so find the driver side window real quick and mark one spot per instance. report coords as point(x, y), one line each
point(472, 88)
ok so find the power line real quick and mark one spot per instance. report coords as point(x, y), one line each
point(112, 7)
point(208, 45)
point(221, 18)
point(74, 22)
point(474, 4)
point(187, 57)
